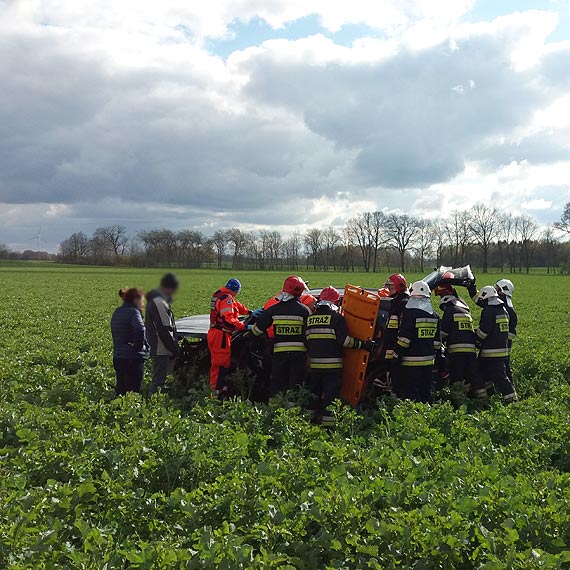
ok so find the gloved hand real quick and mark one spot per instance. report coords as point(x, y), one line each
point(367, 345)
point(257, 313)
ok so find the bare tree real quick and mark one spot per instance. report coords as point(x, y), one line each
point(76, 247)
point(114, 237)
point(508, 236)
point(368, 229)
point(551, 246)
point(425, 242)
point(527, 228)
point(439, 233)
point(4, 251)
point(275, 247)
point(252, 247)
point(348, 245)
point(237, 241)
point(292, 249)
point(314, 244)
point(331, 240)
point(191, 248)
point(358, 229)
point(220, 242)
point(564, 223)
point(458, 235)
point(401, 231)
point(485, 223)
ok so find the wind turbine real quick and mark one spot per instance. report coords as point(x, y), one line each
point(39, 238)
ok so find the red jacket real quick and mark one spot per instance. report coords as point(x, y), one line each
point(225, 311)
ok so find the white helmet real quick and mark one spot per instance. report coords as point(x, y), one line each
point(505, 286)
point(420, 289)
point(488, 292)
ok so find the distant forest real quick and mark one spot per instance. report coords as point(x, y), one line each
point(371, 241)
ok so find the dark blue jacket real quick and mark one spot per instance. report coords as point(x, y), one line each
point(129, 336)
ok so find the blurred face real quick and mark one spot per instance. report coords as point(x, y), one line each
point(139, 302)
point(169, 291)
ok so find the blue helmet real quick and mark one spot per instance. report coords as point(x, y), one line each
point(233, 285)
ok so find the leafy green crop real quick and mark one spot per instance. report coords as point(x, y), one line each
point(90, 482)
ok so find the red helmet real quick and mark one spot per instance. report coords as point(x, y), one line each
point(444, 289)
point(294, 285)
point(330, 294)
point(396, 283)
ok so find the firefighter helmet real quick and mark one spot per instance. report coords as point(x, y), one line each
point(488, 292)
point(294, 285)
point(444, 290)
point(233, 285)
point(396, 284)
point(505, 287)
point(420, 289)
point(330, 294)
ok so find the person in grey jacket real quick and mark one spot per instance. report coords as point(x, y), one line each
point(130, 347)
point(161, 330)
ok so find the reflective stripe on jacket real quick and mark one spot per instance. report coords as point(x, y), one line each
point(225, 311)
point(288, 321)
point(326, 336)
point(419, 338)
point(493, 332)
point(388, 341)
point(457, 331)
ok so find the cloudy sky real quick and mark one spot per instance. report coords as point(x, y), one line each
point(277, 113)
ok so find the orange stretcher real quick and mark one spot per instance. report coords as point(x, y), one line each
point(360, 309)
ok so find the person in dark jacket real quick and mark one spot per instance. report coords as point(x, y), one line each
point(418, 345)
point(458, 337)
point(130, 347)
point(161, 331)
point(505, 289)
point(493, 335)
point(288, 318)
point(326, 338)
point(397, 290)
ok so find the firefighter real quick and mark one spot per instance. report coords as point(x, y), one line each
point(287, 317)
point(326, 337)
point(493, 335)
point(505, 289)
point(396, 289)
point(419, 341)
point(224, 321)
point(458, 337)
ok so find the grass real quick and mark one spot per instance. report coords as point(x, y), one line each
point(88, 482)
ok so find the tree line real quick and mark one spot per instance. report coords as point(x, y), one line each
point(370, 241)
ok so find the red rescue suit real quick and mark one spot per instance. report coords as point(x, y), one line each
point(224, 320)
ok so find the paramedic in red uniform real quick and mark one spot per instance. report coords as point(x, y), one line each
point(224, 321)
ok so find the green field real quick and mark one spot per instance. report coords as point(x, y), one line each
point(90, 482)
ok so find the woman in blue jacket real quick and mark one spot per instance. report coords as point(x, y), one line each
point(130, 347)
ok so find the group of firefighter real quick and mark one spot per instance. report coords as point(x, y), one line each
point(416, 352)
